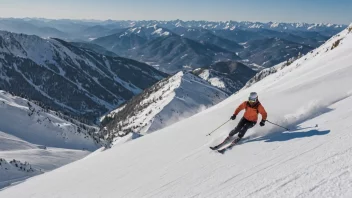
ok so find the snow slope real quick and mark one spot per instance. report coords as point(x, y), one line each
point(39, 126)
point(20, 159)
point(14, 170)
point(312, 96)
point(169, 101)
point(28, 134)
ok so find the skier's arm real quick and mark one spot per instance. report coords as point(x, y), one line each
point(262, 112)
point(240, 108)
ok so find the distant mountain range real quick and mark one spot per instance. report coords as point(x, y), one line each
point(206, 36)
point(85, 29)
point(271, 51)
point(87, 70)
point(173, 53)
point(187, 48)
point(177, 45)
point(166, 50)
point(68, 78)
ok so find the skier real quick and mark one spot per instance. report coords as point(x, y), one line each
point(252, 107)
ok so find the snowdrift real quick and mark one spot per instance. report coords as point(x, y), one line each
point(312, 96)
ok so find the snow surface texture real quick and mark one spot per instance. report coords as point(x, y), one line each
point(26, 134)
point(167, 102)
point(35, 125)
point(20, 160)
point(308, 161)
point(14, 170)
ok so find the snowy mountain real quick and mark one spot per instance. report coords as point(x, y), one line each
point(311, 96)
point(15, 171)
point(26, 146)
point(168, 51)
point(264, 73)
point(95, 48)
point(168, 101)
point(42, 126)
point(121, 43)
point(228, 76)
point(312, 39)
point(166, 45)
point(175, 53)
point(271, 51)
point(207, 37)
point(124, 37)
point(86, 30)
point(96, 31)
point(232, 25)
point(322, 49)
point(74, 80)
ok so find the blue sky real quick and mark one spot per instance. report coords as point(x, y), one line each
point(314, 11)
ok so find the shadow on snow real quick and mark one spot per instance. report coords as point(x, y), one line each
point(289, 135)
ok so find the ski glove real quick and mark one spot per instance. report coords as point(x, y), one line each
point(233, 117)
point(262, 123)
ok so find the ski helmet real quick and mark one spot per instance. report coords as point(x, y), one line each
point(253, 97)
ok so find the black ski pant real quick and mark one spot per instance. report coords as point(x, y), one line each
point(242, 127)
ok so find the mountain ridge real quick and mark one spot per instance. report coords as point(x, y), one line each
point(72, 79)
point(165, 103)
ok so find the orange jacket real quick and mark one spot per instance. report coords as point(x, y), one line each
point(251, 113)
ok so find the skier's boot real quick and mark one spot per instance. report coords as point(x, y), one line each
point(222, 151)
point(214, 147)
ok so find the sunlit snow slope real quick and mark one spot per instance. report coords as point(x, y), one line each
point(30, 122)
point(168, 101)
point(309, 161)
point(28, 134)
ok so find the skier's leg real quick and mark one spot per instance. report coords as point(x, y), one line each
point(241, 129)
point(245, 128)
point(233, 132)
point(238, 128)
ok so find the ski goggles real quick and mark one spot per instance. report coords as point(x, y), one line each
point(252, 100)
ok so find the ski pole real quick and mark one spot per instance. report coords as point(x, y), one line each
point(218, 127)
point(278, 125)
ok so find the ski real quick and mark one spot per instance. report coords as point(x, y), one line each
point(222, 151)
point(214, 148)
point(220, 145)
